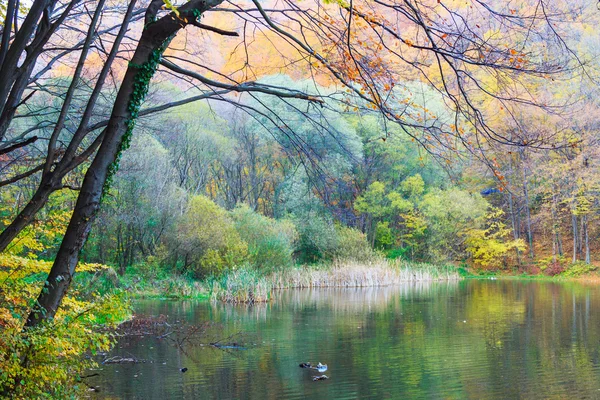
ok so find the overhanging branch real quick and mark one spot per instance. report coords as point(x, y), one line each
point(242, 87)
point(214, 29)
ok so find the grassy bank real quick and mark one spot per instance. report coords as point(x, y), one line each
point(166, 287)
point(543, 269)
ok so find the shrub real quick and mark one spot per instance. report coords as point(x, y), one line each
point(554, 269)
point(398, 252)
point(552, 261)
point(270, 242)
point(317, 238)
point(352, 244)
point(578, 269)
point(208, 238)
point(322, 240)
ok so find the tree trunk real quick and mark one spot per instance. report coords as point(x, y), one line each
point(528, 215)
point(561, 251)
point(372, 230)
point(155, 38)
point(13, 53)
point(120, 262)
point(556, 225)
point(587, 240)
point(581, 235)
point(553, 249)
point(514, 226)
point(50, 180)
point(574, 221)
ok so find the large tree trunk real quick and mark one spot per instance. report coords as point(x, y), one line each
point(155, 37)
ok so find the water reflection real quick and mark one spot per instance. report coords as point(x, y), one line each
point(456, 340)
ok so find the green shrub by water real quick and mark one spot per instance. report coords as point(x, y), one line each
point(317, 238)
point(208, 240)
point(351, 244)
point(270, 242)
point(578, 269)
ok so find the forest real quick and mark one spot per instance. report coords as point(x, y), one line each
point(219, 150)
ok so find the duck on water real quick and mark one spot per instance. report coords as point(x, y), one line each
point(319, 367)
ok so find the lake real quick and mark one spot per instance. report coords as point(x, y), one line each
point(473, 339)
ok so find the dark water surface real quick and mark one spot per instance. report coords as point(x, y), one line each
point(474, 339)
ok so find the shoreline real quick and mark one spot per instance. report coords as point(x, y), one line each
point(246, 285)
point(206, 295)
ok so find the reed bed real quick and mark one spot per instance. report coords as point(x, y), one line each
point(250, 286)
point(352, 274)
point(243, 285)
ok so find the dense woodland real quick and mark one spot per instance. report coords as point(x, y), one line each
point(191, 139)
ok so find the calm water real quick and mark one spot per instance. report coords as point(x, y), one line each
point(462, 340)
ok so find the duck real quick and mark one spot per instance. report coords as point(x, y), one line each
point(321, 367)
point(305, 365)
point(320, 378)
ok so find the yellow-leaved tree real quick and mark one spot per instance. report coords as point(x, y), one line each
point(46, 361)
point(490, 246)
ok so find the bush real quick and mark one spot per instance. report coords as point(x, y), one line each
point(317, 238)
point(270, 242)
point(323, 240)
point(578, 269)
point(557, 263)
point(208, 238)
point(398, 252)
point(352, 244)
point(554, 269)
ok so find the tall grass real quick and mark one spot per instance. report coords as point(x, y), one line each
point(174, 287)
point(248, 286)
point(380, 272)
point(245, 285)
